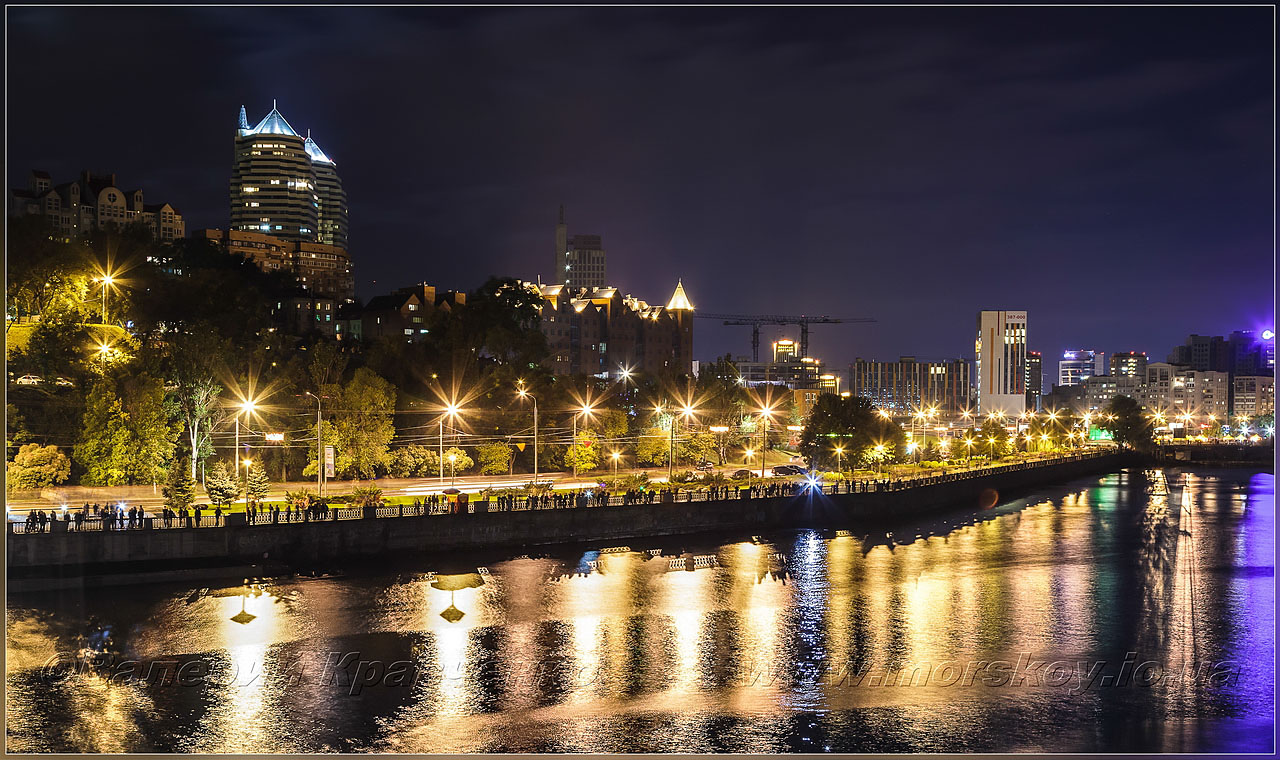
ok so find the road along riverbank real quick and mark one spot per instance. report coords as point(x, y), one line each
point(65, 559)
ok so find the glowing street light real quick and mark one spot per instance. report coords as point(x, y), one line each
point(615, 456)
point(766, 414)
point(451, 410)
point(249, 406)
point(453, 468)
point(107, 280)
point(522, 393)
point(104, 350)
point(585, 410)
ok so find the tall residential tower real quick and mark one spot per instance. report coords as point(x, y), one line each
point(283, 184)
point(285, 187)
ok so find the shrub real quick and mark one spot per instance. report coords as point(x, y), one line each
point(37, 466)
point(366, 496)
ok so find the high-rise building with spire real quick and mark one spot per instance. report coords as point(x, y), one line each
point(284, 186)
point(580, 259)
point(272, 181)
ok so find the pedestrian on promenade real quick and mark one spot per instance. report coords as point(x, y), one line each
point(275, 515)
point(217, 515)
point(199, 512)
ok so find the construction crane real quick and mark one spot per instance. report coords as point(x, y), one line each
point(755, 320)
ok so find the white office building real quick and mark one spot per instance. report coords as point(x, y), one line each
point(1001, 349)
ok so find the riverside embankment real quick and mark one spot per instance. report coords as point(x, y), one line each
point(50, 559)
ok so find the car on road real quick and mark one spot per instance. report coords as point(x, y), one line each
point(789, 469)
point(705, 467)
point(739, 474)
point(63, 382)
point(29, 380)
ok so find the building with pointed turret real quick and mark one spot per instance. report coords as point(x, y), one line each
point(601, 331)
point(285, 187)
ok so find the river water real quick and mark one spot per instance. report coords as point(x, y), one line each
point(1105, 614)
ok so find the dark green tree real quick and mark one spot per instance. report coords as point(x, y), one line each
point(495, 458)
point(221, 487)
point(258, 485)
point(179, 488)
point(1129, 426)
point(850, 423)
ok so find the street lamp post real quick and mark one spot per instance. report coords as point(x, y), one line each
point(615, 456)
point(450, 410)
point(525, 394)
point(319, 447)
point(106, 280)
point(585, 411)
point(764, 439)
point(453, 469)
point(247, 407)
point(688, 412)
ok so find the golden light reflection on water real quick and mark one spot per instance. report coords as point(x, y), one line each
point(587, 655)
point(250, 625)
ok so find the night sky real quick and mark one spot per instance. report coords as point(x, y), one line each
point(1107, 169)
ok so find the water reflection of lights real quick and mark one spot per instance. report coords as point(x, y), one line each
point(104, 714)
point(250, 626)
point(686, 603)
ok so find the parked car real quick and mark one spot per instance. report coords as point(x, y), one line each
point(63, 382)
point(705, 466)
point(739, 474)
point(789, 469)
point(29, 380)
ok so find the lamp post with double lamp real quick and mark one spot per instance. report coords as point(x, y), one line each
point(248, 406)
point(931, 414)
point(451, 410)
point(585, 410)
point(522, 393)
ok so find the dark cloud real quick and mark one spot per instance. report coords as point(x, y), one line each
point(1107, 169)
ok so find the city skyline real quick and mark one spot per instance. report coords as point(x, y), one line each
point(640, 379)
point(1081, 185)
